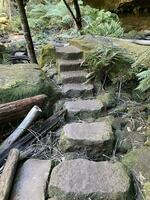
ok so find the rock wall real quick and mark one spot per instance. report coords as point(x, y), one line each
point(116, 4)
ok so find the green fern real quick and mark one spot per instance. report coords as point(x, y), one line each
point(110, 60)
point(144, 78)
point(102, 23)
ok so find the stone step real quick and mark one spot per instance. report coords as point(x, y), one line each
point(69, 65)
point(84, 179)
point(94, 139)
point(69, 53)
point(73, 76)
point(73, 90)
point(31, 180)
point(83, 109)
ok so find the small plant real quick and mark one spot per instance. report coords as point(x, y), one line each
point(110, 61)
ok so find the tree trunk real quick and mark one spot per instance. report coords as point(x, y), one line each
point(17, 109)
point(27, 33)
point(77, 18)
point(78, 14)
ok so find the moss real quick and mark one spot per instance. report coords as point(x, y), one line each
point(108, 99)
point(21, 81)
point(87, 43)
point(47, 55)
point(138, 161)
point(146, 190)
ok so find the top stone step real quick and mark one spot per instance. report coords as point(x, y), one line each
point(69, 53)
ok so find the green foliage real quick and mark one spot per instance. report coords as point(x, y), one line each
point(141, 68)
point(55, 16)
point(24, 90)
point(15, 23)
point(111, 61)
point(144, 78)
point(102, 23)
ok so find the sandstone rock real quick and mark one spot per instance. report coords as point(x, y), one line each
point(95, 139)
point(31, 180)
point(77, 90)
point(138, 160)
point(82, 179)
point(69, 53)
point(138, 163)
point(108, 99)
point(82, 109)
point(69, 65)
point(87, 43)
point(21, 81)
point(116, 4)
point(73, 76)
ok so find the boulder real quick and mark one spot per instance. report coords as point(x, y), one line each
point(94, 139)
point(82, 179)
point(138, 163)
point(21, 81)
point(31, 180)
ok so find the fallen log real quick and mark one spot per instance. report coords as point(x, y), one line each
point(7, 176)
point(22, 143)
point(17, 109)
point(31, 116)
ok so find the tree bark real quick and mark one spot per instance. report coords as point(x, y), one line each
point(17, 109)
point(27, 33)
point(78, 14)
point(77, 18)
point(7, 176)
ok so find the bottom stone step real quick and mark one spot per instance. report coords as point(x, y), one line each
point(73, 90)
point(94, 139)
point(82, 179)
point(83, 109)
point(31, 180)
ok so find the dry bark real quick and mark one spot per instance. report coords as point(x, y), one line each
point(7, 176)
point(17, 109)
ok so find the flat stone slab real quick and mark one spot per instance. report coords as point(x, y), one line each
point(31, 180)
point(22, 80)
point(82, 179)
point(72, 90)
point(69, 53)
point(94, 139)
point(69, 65)
point(83, 109)
point(73, 76)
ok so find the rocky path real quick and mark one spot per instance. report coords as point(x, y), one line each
point(94, 177)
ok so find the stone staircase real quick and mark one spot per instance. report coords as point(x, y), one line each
point(86, 132)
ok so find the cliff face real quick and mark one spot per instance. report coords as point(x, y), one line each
point(117, 4)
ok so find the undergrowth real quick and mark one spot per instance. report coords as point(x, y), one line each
point(110, 61)
point(56, 17)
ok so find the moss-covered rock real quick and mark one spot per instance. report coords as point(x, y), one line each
point(88, 42)
point(138, 162)
point(47, 55)
point(21, 81)
point(146, 190)
point(108, 99)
